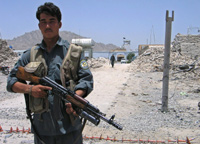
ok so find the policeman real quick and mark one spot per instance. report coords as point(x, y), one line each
point(53, 125)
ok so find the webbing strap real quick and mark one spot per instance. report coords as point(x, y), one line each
point(68, 70)
point(26, 96)
point(37, 55)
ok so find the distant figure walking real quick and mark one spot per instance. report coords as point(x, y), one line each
point(112, 60)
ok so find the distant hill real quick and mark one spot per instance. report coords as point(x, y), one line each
point(29, 39)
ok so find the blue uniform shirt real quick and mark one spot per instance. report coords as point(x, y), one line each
point(46, 124)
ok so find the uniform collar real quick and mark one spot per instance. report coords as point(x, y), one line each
point(60, 42)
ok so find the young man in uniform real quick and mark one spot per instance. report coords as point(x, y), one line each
point(53, 126)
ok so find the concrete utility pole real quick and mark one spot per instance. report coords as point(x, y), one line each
point(0, 41)
point(166, 61)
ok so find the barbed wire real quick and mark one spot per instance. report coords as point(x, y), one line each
point(28, 131)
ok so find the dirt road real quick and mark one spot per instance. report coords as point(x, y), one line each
point(107, 84)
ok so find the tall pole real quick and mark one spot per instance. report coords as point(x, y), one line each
point(166, 61)
point(0, 44)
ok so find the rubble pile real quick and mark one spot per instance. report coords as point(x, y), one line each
point(181, 65)
point(7, 56)
point(187, 44)
point(97, 63)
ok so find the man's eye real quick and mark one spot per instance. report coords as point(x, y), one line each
point(43, 22)
point(52, 22)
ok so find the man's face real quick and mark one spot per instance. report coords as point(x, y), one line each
point(49, 26)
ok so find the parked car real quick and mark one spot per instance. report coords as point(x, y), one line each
point(124, 60)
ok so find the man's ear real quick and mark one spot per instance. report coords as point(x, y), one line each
point(60, 24)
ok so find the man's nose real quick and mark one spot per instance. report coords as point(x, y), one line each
point(48, 25)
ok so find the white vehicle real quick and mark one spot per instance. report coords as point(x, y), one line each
point(124, 60)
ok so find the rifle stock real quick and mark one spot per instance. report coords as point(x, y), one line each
point(23, 75)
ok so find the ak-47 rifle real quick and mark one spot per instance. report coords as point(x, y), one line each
point(86, 110)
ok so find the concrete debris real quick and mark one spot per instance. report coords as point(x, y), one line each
point(97, 63)
point(7, 56)
point(187, 44)
point(182, 65)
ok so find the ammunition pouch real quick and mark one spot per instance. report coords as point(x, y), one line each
point(37, 105)
point(37, 68)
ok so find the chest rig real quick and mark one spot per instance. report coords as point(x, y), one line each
point(68, 73)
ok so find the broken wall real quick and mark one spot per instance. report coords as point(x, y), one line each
point(187, 44)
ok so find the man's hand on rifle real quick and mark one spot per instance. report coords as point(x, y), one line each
point(39, 91)
point(69, 108)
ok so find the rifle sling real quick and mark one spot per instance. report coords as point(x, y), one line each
point(26, 96)
point(84, 122)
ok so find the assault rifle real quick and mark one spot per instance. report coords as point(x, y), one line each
point(86, 110)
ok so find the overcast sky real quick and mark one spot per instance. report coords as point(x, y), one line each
point(106, 21)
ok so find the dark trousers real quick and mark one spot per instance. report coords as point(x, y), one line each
point(112, 63)
point(74, 137)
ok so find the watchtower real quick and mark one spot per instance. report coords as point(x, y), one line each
point(126, 44)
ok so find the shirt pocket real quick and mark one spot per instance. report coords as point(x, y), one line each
point(54, 68)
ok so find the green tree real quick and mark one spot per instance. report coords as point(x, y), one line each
point(130, 56)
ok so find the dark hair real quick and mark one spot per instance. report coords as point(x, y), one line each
point(50, 9)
